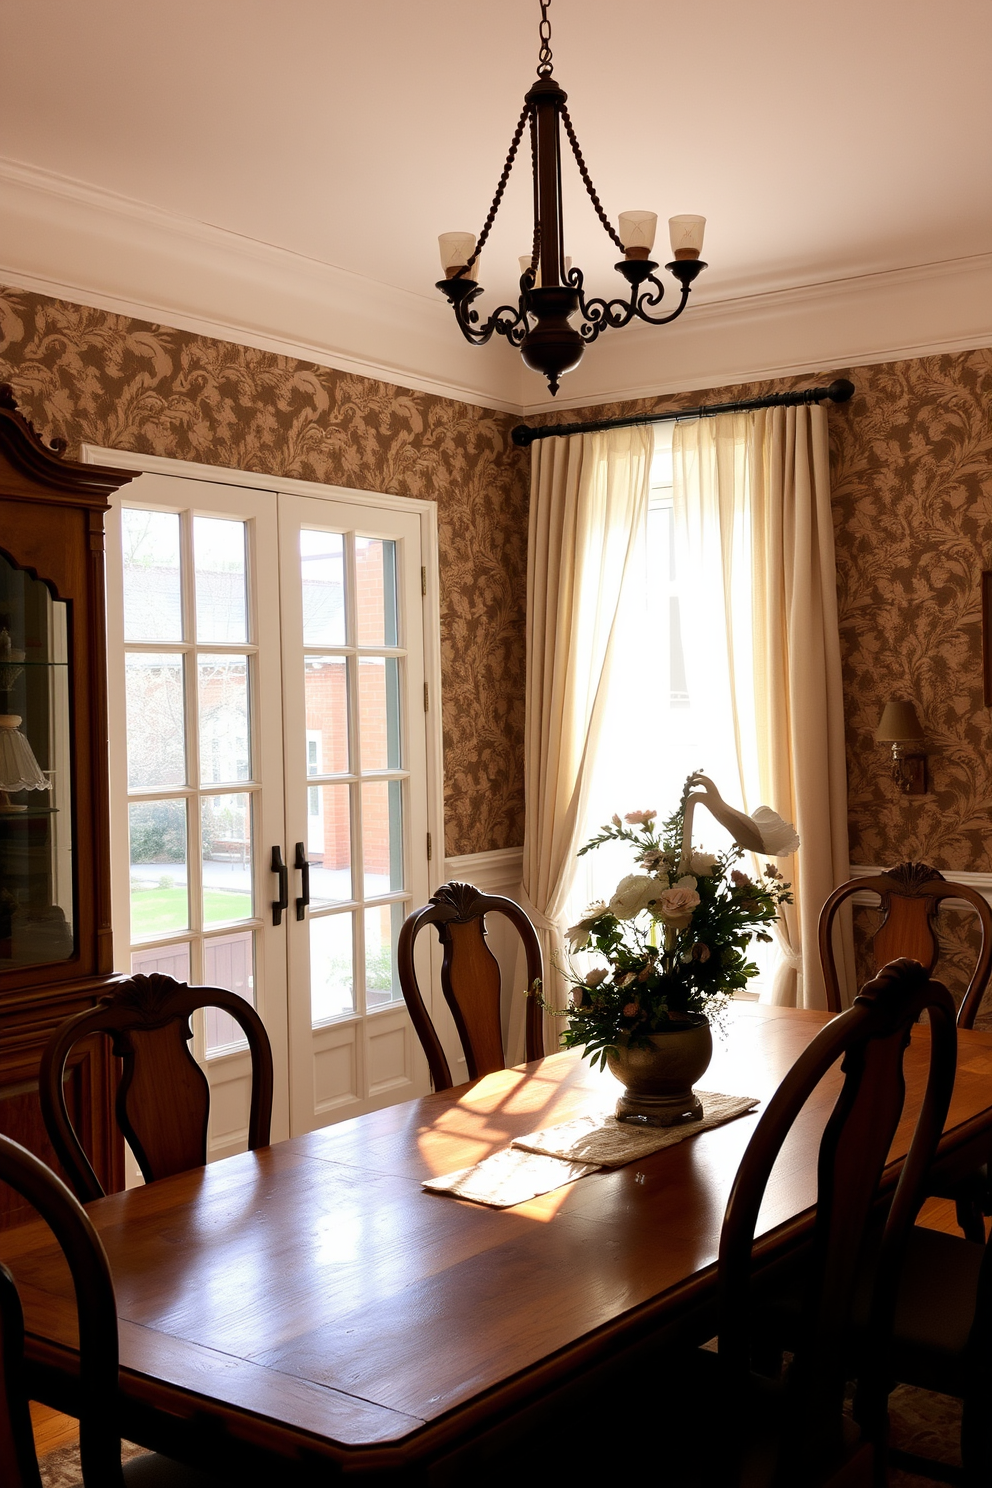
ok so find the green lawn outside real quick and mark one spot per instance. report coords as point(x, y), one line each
point(157, 911)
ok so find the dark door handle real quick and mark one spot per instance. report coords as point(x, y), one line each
point(278, 905)
point(303, 865)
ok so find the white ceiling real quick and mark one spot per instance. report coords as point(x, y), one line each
point(823, 143)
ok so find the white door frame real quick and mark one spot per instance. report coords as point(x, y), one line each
point(427, 511)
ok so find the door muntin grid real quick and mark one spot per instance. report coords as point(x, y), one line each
point(192, 792)
point(356, 783)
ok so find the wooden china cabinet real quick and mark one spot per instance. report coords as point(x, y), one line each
point(56, 954)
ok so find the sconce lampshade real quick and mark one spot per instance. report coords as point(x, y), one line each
point(899, 725)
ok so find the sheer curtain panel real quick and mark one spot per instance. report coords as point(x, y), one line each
point(752, 510)
point(588, 513)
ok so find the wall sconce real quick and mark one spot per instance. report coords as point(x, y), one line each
point(900, 727)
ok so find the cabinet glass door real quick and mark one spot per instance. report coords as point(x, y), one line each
point(36, 858)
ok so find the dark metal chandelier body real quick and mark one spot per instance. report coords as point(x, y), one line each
point(551, 291)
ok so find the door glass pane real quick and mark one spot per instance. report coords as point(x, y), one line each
point(170, 961)
point(329, 843)
point(382, 928)
point(159, 901)
point(156, 720)
point(331, 967)
point(152, 599)
point(227, 876)
point(382, 836)
point(223, 702)
point(379, 712)
point(228, 961)
point(322, 562)
point(375, 591)
point(325, 681)
point(219, 555)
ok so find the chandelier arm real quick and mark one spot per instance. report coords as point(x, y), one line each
point(500, 188)
point(649, 299)
point(601, 315)
point(504, 321)
point(587, 180)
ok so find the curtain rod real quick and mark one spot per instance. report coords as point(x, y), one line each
point(838, 391)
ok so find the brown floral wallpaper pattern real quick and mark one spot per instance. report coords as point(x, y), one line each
point(89, 376)
point(911, 460)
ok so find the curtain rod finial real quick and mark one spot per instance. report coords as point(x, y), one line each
point(840, 390)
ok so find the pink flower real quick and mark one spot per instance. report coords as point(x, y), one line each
point(640, 818)
point(675, 907)
point(631, 1010)
point(740, 879)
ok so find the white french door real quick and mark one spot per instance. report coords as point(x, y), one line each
point(356, 806)
point(269, 742)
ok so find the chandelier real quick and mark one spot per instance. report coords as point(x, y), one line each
point(551, 290)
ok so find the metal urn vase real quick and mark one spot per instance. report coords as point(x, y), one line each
point(658, 1079)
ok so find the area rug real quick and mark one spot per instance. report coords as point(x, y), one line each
point(60, 1469)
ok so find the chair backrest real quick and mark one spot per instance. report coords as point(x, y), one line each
point(163, 1099)
point(470, 979)
point(870, 1038)
point(99, 1434)
point(911, 896)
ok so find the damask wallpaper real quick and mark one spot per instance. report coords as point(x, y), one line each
point(911, 473)
point(91, 377)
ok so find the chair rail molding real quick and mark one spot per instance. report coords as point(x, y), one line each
point(980, 881)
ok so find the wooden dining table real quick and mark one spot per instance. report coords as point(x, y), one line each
point(311, 1304)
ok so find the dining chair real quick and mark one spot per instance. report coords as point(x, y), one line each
point(912, 895)
point(470, 979)
point(163, 1098)
point(794, 1430)
point(96, 1310)
point(942, 1340)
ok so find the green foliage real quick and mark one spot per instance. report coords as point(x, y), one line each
point(158, 832)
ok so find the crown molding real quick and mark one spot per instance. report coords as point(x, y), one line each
point(77, 242)
point(924, 310)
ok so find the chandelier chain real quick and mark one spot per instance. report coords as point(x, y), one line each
point(587, 180)
point(535, 251)
point(544, 63)
point(500, 187)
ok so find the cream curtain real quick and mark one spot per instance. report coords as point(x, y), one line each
point(752, 511)
point(588, 512)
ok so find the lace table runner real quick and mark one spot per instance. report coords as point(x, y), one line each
point(601, 1139)
point(545, 1160)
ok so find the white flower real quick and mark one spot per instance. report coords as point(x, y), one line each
point(577, 935)
point(778, 837)
point(675, 907)
point(685, 882)
point(597, 976)
point(703, 864)
point(634, 893)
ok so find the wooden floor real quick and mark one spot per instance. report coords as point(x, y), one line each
point(52, 1430)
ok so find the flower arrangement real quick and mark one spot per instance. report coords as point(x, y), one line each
point(675, 935)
